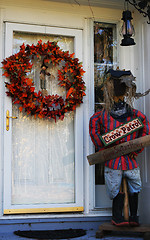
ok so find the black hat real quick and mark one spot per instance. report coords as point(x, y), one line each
point(122, 80)
point(118, 73)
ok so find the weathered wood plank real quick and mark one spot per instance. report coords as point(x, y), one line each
point(108, 228)
point(119, 150)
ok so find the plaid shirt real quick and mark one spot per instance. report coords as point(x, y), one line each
point(102, 122)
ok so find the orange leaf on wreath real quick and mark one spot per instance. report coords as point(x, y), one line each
point(29, 81)
point(72, 55)
point(69, 92)
point(40, 115)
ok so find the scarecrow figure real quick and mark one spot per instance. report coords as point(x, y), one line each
point(119, 92)
point(43, 74)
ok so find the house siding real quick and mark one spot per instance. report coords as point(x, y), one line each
point(45, 13)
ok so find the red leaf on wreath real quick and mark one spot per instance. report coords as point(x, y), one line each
point(21, 109)
point(24, 95)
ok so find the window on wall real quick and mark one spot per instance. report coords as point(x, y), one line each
point(105, 57)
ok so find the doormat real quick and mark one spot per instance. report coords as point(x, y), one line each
point(52, 234)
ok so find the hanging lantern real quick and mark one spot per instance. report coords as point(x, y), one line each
point(127, 30)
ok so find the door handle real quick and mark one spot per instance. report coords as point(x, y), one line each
point(7, 119)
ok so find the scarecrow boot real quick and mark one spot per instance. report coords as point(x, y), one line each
point(133, 203)
point(117, 207)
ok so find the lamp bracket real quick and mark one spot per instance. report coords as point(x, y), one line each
point(143, 7)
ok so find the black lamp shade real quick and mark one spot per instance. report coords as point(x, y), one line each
point(126, 15)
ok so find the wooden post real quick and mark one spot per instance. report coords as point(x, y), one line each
point(126, 202)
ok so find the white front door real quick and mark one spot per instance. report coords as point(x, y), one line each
point(43, 160)
point(144, 158)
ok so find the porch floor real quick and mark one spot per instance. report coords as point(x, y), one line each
point(90, 224)
point(90, 234)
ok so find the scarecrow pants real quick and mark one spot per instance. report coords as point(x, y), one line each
point(113, 179)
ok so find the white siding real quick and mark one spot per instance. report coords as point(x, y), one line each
point(142, 71)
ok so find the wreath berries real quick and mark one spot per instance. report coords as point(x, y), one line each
point(22, 90)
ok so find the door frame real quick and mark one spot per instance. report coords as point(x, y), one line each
point(8, 208)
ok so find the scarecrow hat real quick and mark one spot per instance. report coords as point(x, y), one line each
point(127, 78)
point(124, 76)
point(118, 73)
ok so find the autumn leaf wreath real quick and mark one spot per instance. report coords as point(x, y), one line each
point(22, 90)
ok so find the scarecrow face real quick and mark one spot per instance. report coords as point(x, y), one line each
point(119, 88)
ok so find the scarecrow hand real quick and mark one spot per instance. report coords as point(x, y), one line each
point(132, 155)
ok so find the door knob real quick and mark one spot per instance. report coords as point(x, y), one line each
point(7, 119)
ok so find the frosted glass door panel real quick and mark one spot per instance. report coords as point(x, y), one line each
point(43, 163)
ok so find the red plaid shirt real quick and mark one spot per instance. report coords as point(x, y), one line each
point(102, 122)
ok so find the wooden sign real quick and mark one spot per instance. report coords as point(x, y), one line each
point(119, 150)
point(121, 131)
